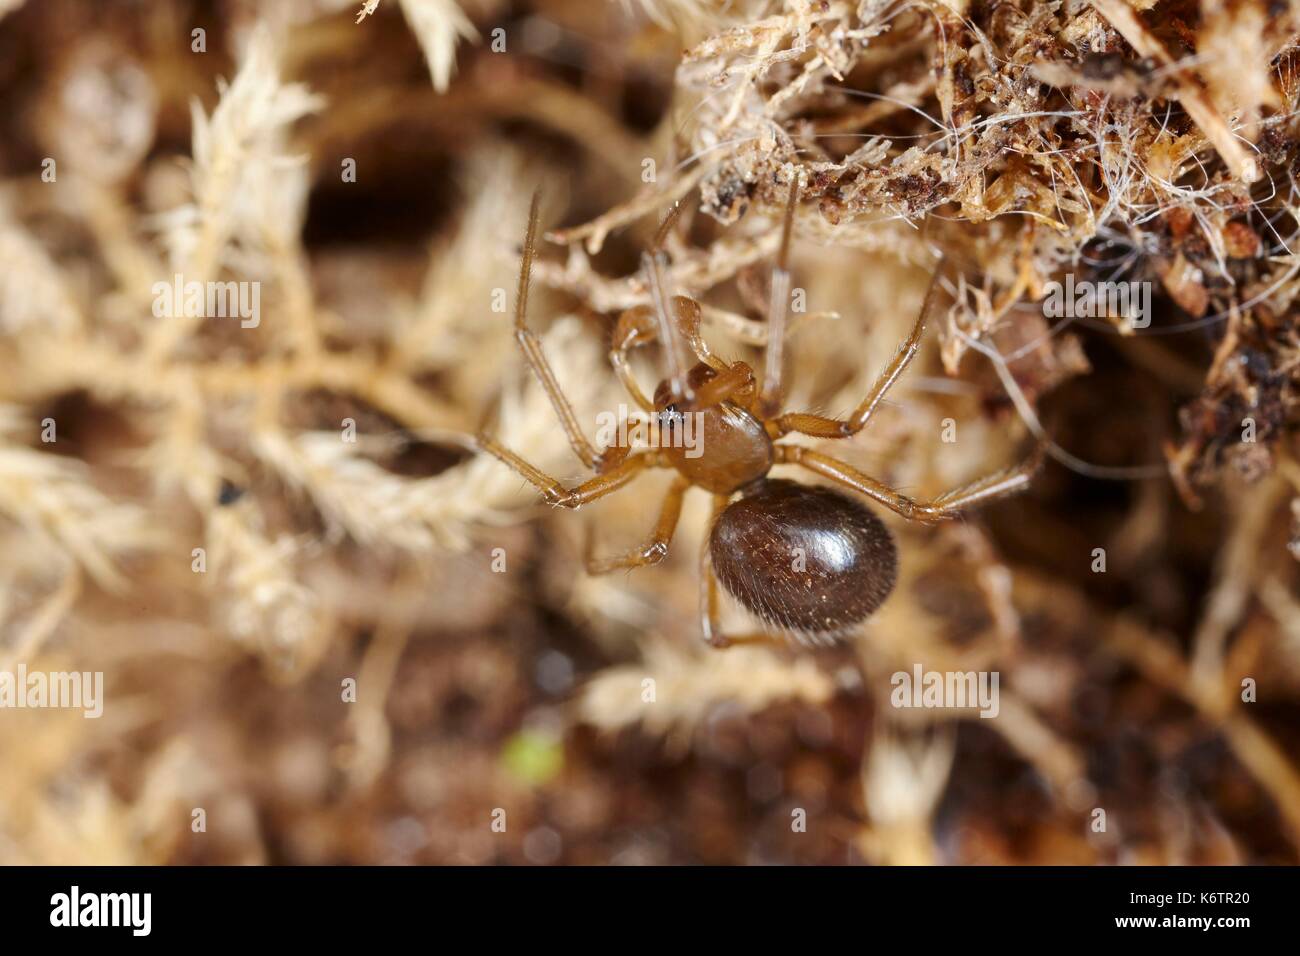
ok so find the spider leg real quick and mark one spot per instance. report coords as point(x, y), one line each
point(633, 329)
point(821, 427)
point(655, 266)
point(778, 309)
point(639, 326)
point(554, 491)
point(729, 384)
point(690, 314)
point(947, 505)
point(686, 310)
point(655, 549)
point(531, 346)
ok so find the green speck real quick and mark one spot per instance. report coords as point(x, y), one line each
point(533, 757)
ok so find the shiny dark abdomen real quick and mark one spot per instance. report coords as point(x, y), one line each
point(803, 557)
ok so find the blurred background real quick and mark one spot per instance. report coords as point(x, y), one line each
point(346, 639)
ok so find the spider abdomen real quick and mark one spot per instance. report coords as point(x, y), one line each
point(803, 557)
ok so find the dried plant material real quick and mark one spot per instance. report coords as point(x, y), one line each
point(689, 17)
point(31, 290)
point(264, 605)
point(55, 505)
point(439, 25)
point(245, 191)
point(30, 636)
point(293, 500)
point(1194, 100)
point(1235, 53)
point(1243, 412)
point(901, 786)
point(682, 688)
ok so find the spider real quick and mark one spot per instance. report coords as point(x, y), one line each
point(808, 559)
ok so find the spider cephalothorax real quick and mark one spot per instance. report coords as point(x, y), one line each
point(808, 559)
